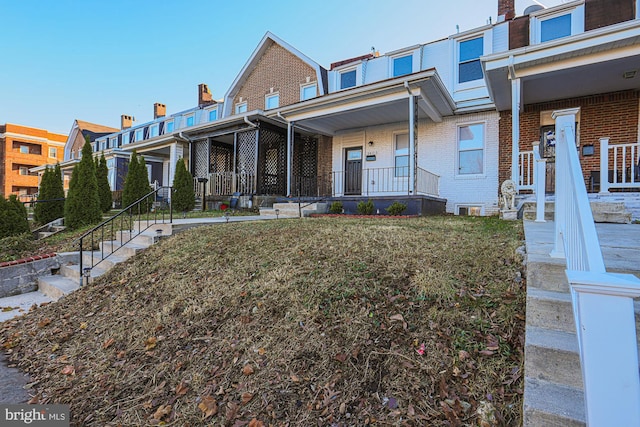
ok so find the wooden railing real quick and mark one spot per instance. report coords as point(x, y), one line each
point(619, 165)
point(602, 302)
point(226, 183)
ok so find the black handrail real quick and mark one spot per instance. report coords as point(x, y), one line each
point(127, 212)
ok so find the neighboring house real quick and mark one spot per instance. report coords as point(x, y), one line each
point(21, 149)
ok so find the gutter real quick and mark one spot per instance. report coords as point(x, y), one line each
point(249, 122)
point(181, 137)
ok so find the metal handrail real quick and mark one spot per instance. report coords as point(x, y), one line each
point(126, 213)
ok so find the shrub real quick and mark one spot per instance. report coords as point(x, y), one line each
point(336, 208)
point(396, 208)
point(82, 206)
point(184, 197)
point(136, 183)
point(13, 217)
point(365, 208)
point(16, 247)
point(50, 197)
point(104, 189)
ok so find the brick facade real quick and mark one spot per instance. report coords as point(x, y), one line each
point(613, 115)
point(278, 69)
point(602, 13)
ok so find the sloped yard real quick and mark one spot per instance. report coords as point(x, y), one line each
point(328, 321)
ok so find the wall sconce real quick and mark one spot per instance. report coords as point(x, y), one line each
point(370, 143)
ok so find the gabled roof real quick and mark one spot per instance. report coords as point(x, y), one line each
point(262, 47)
point(85, 128)
point(95, 128)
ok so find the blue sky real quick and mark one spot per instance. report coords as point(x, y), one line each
point(95, 60)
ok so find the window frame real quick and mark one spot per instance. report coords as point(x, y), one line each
point(135, 133)
point(397, 156)
point(55, 152)
point(188, 117)
point(113, 142)
point(398, 57)
point(313, 85)
point(483, 150)
point(470, 208)
point(212, 111)
point(344, 71)
point(468, 61)
point(21, 169)
point(575, 11)
point(167, 124)
point(269, 96)
point(154, 127)
point(240, 107)
point(23, 148)
point(126, 138)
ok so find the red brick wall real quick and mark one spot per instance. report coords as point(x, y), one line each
point(519, 32)
point(613, 115)
point(601, 13)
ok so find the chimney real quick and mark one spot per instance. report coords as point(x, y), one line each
point(159, 110)
point(506, 10)
point(125, 122)
point(204, 96)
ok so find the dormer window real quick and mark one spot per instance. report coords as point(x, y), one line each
point(308, 91)
point(213, 114)
point(154, 130)
point(241, 107)
point(469, 53)
point(190, 120)
point(556, 23)
point(402, 65)
point(139, 134)
point(347, 78)
point(272, 101)
point(125, 138)
point(113, 142)
point(168, 126)
point(555, 28)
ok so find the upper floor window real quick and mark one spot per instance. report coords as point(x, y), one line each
point(241, 107)
point(469, 53)
point(24, 170)
point(555, 28)
point(24, 149)
point(308, 91)
point(347, 79)
point(213, 114)
point(154, 130)
point(471, 149)
point(168, 126)
point(113, 142)
point(139, 134)
point(104, 145)
point(53, 152)
point(402, 155)
point(190, 121)
point(402, 65)
point(272, 101)
point(125, 138)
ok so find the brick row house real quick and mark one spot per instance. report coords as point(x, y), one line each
point(21, 149)
point(429, 124)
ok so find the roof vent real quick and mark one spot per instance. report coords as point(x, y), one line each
point(629, 74)
point(533, 8)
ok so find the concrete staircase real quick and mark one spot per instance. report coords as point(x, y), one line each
point(609, 209)
point(290, 209)
point(50, 229)
point(553, 391)
point(67, 278)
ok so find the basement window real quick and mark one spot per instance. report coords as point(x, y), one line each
point(470, 210)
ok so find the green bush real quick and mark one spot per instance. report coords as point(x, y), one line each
point(136, 183)
point(104, 189)
point(13, 217)
point(184, 197)
point(82, 206)
point(50, 204)
point(336, 208)
point(396, 208)
point(16, 247)
point(365, 208)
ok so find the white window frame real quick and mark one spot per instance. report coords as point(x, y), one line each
point(537, 18)
point(211, 111)
point(166, 125)
point(186, 120)
point(484, 150)
point(270, 96)
point(345, 71)
point(22, 169)
point(313, 85)
point(113, 142)
point(104, 144)
point(154, 127)
point(478, 207)
point(240, 107)
point(141, 130)
point(395, 156)
point(55, 152)
point(487, 48)
point(126, 138)
point(393, 59)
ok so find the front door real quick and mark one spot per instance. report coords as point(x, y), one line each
point(353, 172)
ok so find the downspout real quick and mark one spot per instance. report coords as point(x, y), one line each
point(412, 140)
point(249, 122)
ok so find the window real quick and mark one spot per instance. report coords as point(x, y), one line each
point(402, 65)
point(24, 149)
point(347, 79)
point(470, 210)
point(113, 142)
point(139, 134)
point(24, 170)
point(470, 149)
point(308, 91)
point(168, 126)
point(125, 138)
point(272, 101)
point(154, 130)
point(213, 114)
point(103, 144)
point(555, 28)
point(402, 155)
point(241, 108)
point(190, 120)
point(53, 152)
point(469, 53)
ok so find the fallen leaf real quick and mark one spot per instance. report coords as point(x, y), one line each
point(261, 351)
point(397, 317)
point(5, 309)
point(340, 357)
point(295, 378)
point(486, 352)
point(83, 325)
point(162, 411)
point(208, 406)
point(343, 408)
point(55, 347)
point(182, 389)
point(255, 423)
point(43, 323)
point(247, 370)
point(232, 411)
point(411, 411)
point(68, 370)
point(246, 398)
point(462, 354)
point(108, 343)
point(150, 343)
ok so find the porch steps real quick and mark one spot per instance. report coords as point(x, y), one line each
point(553, 390)
point(291, 210)
point(604, 210)
point(67, 278)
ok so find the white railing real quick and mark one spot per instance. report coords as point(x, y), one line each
point(525, 170)
point(619, 165)
point(602, 302)
point(539, 183)
point(427, 183)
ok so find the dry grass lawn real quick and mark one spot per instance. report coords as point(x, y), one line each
point(327, 321)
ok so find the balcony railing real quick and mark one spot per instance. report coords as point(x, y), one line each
point(619, 165)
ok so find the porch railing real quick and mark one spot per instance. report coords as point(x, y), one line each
point(427, 183)
point(526, 165)
point(619, 165)
point(226, 183)
point(602, 302)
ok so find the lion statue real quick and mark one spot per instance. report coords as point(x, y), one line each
point(508, 190)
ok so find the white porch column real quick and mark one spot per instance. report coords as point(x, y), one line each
point(515, 131)
point(175, 152)
point(604, 165)
point(412, 143)
point(540, 178)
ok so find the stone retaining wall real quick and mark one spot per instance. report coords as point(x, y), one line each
point(21, 276)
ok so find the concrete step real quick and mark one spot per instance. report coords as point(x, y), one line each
point(291, 209)
point(73, 272)
point(128, 250)
point(106, 259)
point(552, 356)
point(550, 310)
point(57, 286)
point(603, 211)
point(552, 405)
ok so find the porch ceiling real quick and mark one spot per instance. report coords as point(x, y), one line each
point(587, 64)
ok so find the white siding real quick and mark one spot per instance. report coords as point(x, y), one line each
point(376, 69)
point(501, 37)
point(438, 55)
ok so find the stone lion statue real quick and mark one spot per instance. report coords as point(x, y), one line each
point(508, 190)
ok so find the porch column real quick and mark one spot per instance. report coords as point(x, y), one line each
point(515, 131)
point(175, 152)
point(412, 143)
point(290, 138)
point(604, 165)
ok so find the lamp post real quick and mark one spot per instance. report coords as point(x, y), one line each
point(226, 215)
point(277, 211)
point(86, 272)
point(204, 192)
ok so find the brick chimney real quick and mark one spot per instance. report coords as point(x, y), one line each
point(204, 96)
point(506, 10)
point(159, 110)
point(125, 122)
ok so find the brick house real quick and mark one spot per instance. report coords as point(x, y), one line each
point(21, 149)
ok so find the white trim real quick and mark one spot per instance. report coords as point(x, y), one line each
point(166, 122)
point(575, 10)
point(404, 54)
point(308, 85)
point(487, 46)
point(469, 205)
point(347, 69)
point(186, 119)
point(211, 110)
point(269, 96)
point(49, 153)
point(238, 107)
point(457, 173)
